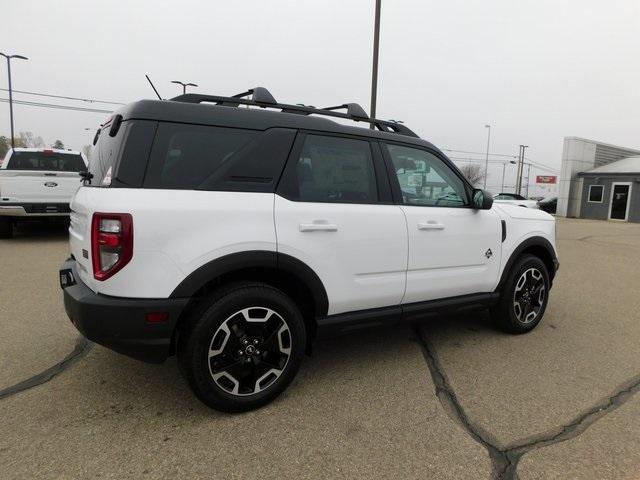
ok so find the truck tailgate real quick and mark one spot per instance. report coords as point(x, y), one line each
point(18, 186)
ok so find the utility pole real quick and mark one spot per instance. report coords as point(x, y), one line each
point(528, 176)
point(9, 57)
point(374, 71)
point(520, 168)
point(486, 163)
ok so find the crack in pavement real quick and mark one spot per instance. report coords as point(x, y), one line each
point(80, 350)
point(505, 460)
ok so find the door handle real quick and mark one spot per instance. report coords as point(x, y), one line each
point(318, 227)
point(430, 225)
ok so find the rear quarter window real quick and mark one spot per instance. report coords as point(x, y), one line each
point(188, 156)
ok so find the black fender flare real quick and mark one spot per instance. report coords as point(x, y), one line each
point(539, 242)
point(251, 260)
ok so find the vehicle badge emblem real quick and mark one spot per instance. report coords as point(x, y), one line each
point(488, 253)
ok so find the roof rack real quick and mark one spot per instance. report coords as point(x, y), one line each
point(261, 97)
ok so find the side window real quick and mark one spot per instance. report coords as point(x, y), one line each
point(596, 193)
point(425, 179)
point(185, 156)
point(335, 170)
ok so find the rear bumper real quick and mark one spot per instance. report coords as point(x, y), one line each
point(34, 210)
point(120, 323)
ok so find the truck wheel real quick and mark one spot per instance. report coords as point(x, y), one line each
point(6, 228)
point(524, 297)
point(242, 347)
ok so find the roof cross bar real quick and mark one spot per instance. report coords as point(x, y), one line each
point(353, 110)
point(261, 97)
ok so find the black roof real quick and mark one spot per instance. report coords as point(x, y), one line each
point(226, 111)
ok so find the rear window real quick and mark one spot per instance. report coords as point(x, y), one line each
point(186, 156)
point(104, 155)
point(50, 161)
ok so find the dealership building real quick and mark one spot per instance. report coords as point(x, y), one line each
point(599, 181)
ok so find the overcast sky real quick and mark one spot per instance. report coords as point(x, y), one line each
point(536, 70)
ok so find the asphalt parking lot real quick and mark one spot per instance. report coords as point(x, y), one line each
point(452, 398)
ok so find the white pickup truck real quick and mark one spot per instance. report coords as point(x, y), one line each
point(37, 183)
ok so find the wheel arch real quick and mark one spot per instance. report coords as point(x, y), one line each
point(537, 246)
point(287, 273)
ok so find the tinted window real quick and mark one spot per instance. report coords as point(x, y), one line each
point(595, 193)
point(52, 161)
point(425, 179)
point(334, 169)
point(185, 156)
point(104, 155)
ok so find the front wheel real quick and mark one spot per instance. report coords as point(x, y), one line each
point(524, 297)
point(242, 347)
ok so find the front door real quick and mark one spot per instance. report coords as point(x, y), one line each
point(619, 209)
point(454, 249)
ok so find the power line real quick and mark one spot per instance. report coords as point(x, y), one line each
point(480, 153)
point(89, 100)
point(54, 106)
point(537, 164)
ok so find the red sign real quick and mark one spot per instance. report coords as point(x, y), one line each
point(546, 179)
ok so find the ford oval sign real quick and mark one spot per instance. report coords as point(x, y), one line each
point(50, 184)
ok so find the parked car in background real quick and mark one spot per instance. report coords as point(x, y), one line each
point(548, 204)
point(515, 199)
point(37, 183)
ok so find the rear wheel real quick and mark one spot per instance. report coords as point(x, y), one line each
point(524, 297)
point(242, 347)
point(6, 228)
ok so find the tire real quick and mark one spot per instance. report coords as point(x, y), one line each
point(242, 347)
point(524, 296)
point(6, 228)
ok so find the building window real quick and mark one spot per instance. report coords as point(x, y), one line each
point(596, 192)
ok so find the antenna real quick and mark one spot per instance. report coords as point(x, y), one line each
point(154, 88)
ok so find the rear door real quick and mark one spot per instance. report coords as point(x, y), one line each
point(333, 211)
point(453, 249)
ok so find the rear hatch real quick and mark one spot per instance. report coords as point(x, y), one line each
point(80, 234)
point(41, 177)
point(102, 164)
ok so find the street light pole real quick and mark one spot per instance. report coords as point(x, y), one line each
point(486, 163)
point(374, 70)
point(9, 57)
point(184, 85)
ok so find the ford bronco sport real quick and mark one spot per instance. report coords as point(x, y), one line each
point(234, 236)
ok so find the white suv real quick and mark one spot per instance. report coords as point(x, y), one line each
point(235, 236)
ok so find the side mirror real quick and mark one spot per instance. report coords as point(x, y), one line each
point(482, 200)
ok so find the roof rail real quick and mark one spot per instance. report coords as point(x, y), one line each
point(261, 97)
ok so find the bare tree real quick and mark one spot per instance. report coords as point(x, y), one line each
point(473, 172)
point(29, 140)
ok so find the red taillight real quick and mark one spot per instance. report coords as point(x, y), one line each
point(111, 243)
